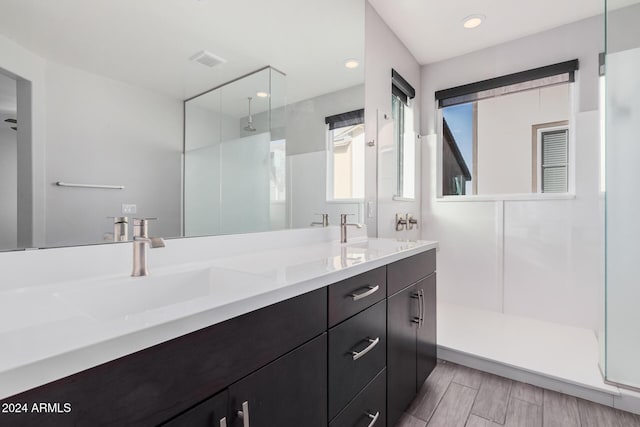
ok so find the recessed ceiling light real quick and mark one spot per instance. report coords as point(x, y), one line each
point(351, 63)
point(262, 94)
point(473, 21)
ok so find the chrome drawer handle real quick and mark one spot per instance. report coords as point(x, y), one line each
point(223, 422)
point(371, 290)
point(358, 354)
point(423, 309)
point(244, 414)
point(374, 418)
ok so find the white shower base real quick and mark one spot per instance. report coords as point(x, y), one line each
point(549, 355)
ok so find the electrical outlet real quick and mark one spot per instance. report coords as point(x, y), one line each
point(129, 209)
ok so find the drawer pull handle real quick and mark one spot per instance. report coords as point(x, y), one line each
point(244, 414)
point(370, 290)
point(358, 354)
point(374, 418)
point(223, 422)
point(423, 308)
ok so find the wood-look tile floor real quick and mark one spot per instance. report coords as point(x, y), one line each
point(457, 396)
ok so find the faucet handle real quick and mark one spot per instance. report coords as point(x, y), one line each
point(411, 221)
point(325, 218)
point(141, 226)
point(401, 222)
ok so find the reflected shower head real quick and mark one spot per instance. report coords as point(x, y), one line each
point(249, 127)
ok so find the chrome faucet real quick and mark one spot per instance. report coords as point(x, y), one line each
point(343, 227)
point(140, 241)
point(324, 222)
point(120, 228)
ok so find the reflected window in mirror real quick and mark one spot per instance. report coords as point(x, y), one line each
point(345, 156)
point(404, 138)
point(508, 135)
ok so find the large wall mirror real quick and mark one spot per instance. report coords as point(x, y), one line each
point(213, 117)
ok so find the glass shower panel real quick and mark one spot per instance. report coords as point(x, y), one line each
point(235, 157)
point(203, 134)
point(622, 201)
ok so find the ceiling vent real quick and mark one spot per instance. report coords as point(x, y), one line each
point(207, 58)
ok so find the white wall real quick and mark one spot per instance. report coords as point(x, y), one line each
point(90, 129)
point(539, 258)
point(102, 131)
point(505, 139)
point(384, 51)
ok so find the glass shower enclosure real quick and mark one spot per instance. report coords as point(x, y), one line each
point(622, 305)
point(234, 157)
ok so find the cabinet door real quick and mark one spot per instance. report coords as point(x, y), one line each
point(209, 413)
point(426, 345)
point(289, 392)
point(402, 317)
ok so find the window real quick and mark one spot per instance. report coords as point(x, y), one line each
point(552, 158)
point(403, 136)
point(508, 135)
point(345, 161)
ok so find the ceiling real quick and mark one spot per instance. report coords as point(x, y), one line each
point(432, 30)
point(147, 43)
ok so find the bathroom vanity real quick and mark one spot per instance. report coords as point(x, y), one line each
point(347, 347)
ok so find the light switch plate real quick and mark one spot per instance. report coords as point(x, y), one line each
point(129, 209)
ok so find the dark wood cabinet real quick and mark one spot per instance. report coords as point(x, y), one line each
point(355, 294)
point(356, 354)
point(403, 312)
point(289, 392)
point(209, 413)
point(426, 340)
point(368, 407)
point(411, 329)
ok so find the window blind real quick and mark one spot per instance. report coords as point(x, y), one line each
point(345, 119)
point(549, 75)
point(554, 161)
point(401, 88)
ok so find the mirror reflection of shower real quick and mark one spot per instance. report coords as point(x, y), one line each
point(249, 127)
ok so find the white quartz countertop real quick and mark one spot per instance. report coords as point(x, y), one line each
point(53, 330)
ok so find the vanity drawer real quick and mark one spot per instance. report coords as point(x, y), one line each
point(368, 405)
point(407, 271)
point(357, 352)
point(353, 295)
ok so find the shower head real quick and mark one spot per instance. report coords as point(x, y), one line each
point(249, 127)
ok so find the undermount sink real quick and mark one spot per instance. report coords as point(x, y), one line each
point(123, 297)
